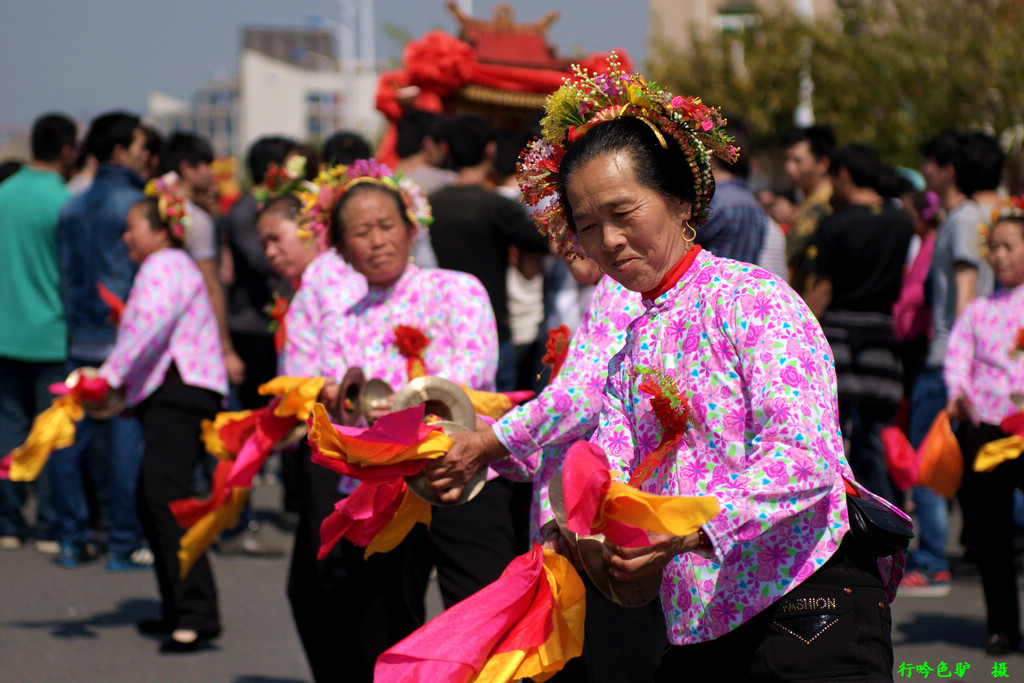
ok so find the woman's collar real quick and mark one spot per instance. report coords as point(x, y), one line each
point(698, 260)
point(408, 273)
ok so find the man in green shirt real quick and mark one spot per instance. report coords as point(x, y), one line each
point(33, 332)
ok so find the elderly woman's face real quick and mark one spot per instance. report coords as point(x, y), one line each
point(286, 251)
point(634, 233)
point(376, 241)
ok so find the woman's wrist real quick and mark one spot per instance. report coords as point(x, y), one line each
point(549, 529)
point(490, 447)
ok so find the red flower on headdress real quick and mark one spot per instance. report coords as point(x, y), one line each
point(275, 174)
point(557, 349)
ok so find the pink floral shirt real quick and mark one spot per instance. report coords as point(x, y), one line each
point(538, 433)
point(450, 308)
point(167, 318)
point(764, 439)
point(981, 365)
point(329, 286)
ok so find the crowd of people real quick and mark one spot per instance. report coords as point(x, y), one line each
point(786, 327)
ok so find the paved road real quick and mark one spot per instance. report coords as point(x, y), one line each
point(78, 625)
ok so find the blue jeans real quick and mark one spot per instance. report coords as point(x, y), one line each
point(862, 423)
point(119, 441)
point(927, 398)
point(506, 377)
point(24, 394)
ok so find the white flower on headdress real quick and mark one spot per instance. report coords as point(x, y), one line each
point(415, 200)
point(295, 167)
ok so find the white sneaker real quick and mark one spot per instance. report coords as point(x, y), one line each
point(47, 547)
point(11, 543)
point(142, 555)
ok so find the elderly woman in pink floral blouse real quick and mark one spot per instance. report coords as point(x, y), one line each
point(773, 587)
point(373, 216)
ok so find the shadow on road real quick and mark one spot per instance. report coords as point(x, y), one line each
point(127, 612)
point(955, 629)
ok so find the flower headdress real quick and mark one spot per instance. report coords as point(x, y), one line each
point(1011, 207)
point(589, 99)
point(280, 180)
point(170, 202)
point(333, 183)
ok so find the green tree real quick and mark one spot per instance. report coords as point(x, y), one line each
point(752, 72)
point(886, 72)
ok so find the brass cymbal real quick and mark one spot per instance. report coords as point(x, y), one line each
point(373, 395)
point(590, 550)
point(418, 482)
point(351, 384)
point(359, 397)
point(442, 397)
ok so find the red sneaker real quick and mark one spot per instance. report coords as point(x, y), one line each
point(916, 584)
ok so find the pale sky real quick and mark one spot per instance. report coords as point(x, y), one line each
point(83, 57)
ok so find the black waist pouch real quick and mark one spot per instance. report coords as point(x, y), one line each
point(876, 528)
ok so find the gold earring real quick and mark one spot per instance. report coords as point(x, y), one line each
point(693, 232)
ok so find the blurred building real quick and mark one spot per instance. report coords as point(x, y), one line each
point(212, 113)
point(290, 82)
point(673, 21)
point(15, 142)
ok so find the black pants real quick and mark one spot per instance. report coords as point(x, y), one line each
point(620, 645)
point(986, 499)
point(171, 420)
point(260, 358)
point(347, 609)
point(835, 626)
point(470, 544)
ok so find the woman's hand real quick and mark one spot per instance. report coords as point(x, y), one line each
point(959, 409)
point(235, 367)
point(470, 453)
point(632, 564)
point(553, 539)
point(329, 396)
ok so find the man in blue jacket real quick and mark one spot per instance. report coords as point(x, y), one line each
point(92, 253)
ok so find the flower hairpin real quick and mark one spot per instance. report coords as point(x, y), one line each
point(281, 180)
point(171, 206)
point(1011, 207)
point(332, 183)
point(586, 100)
